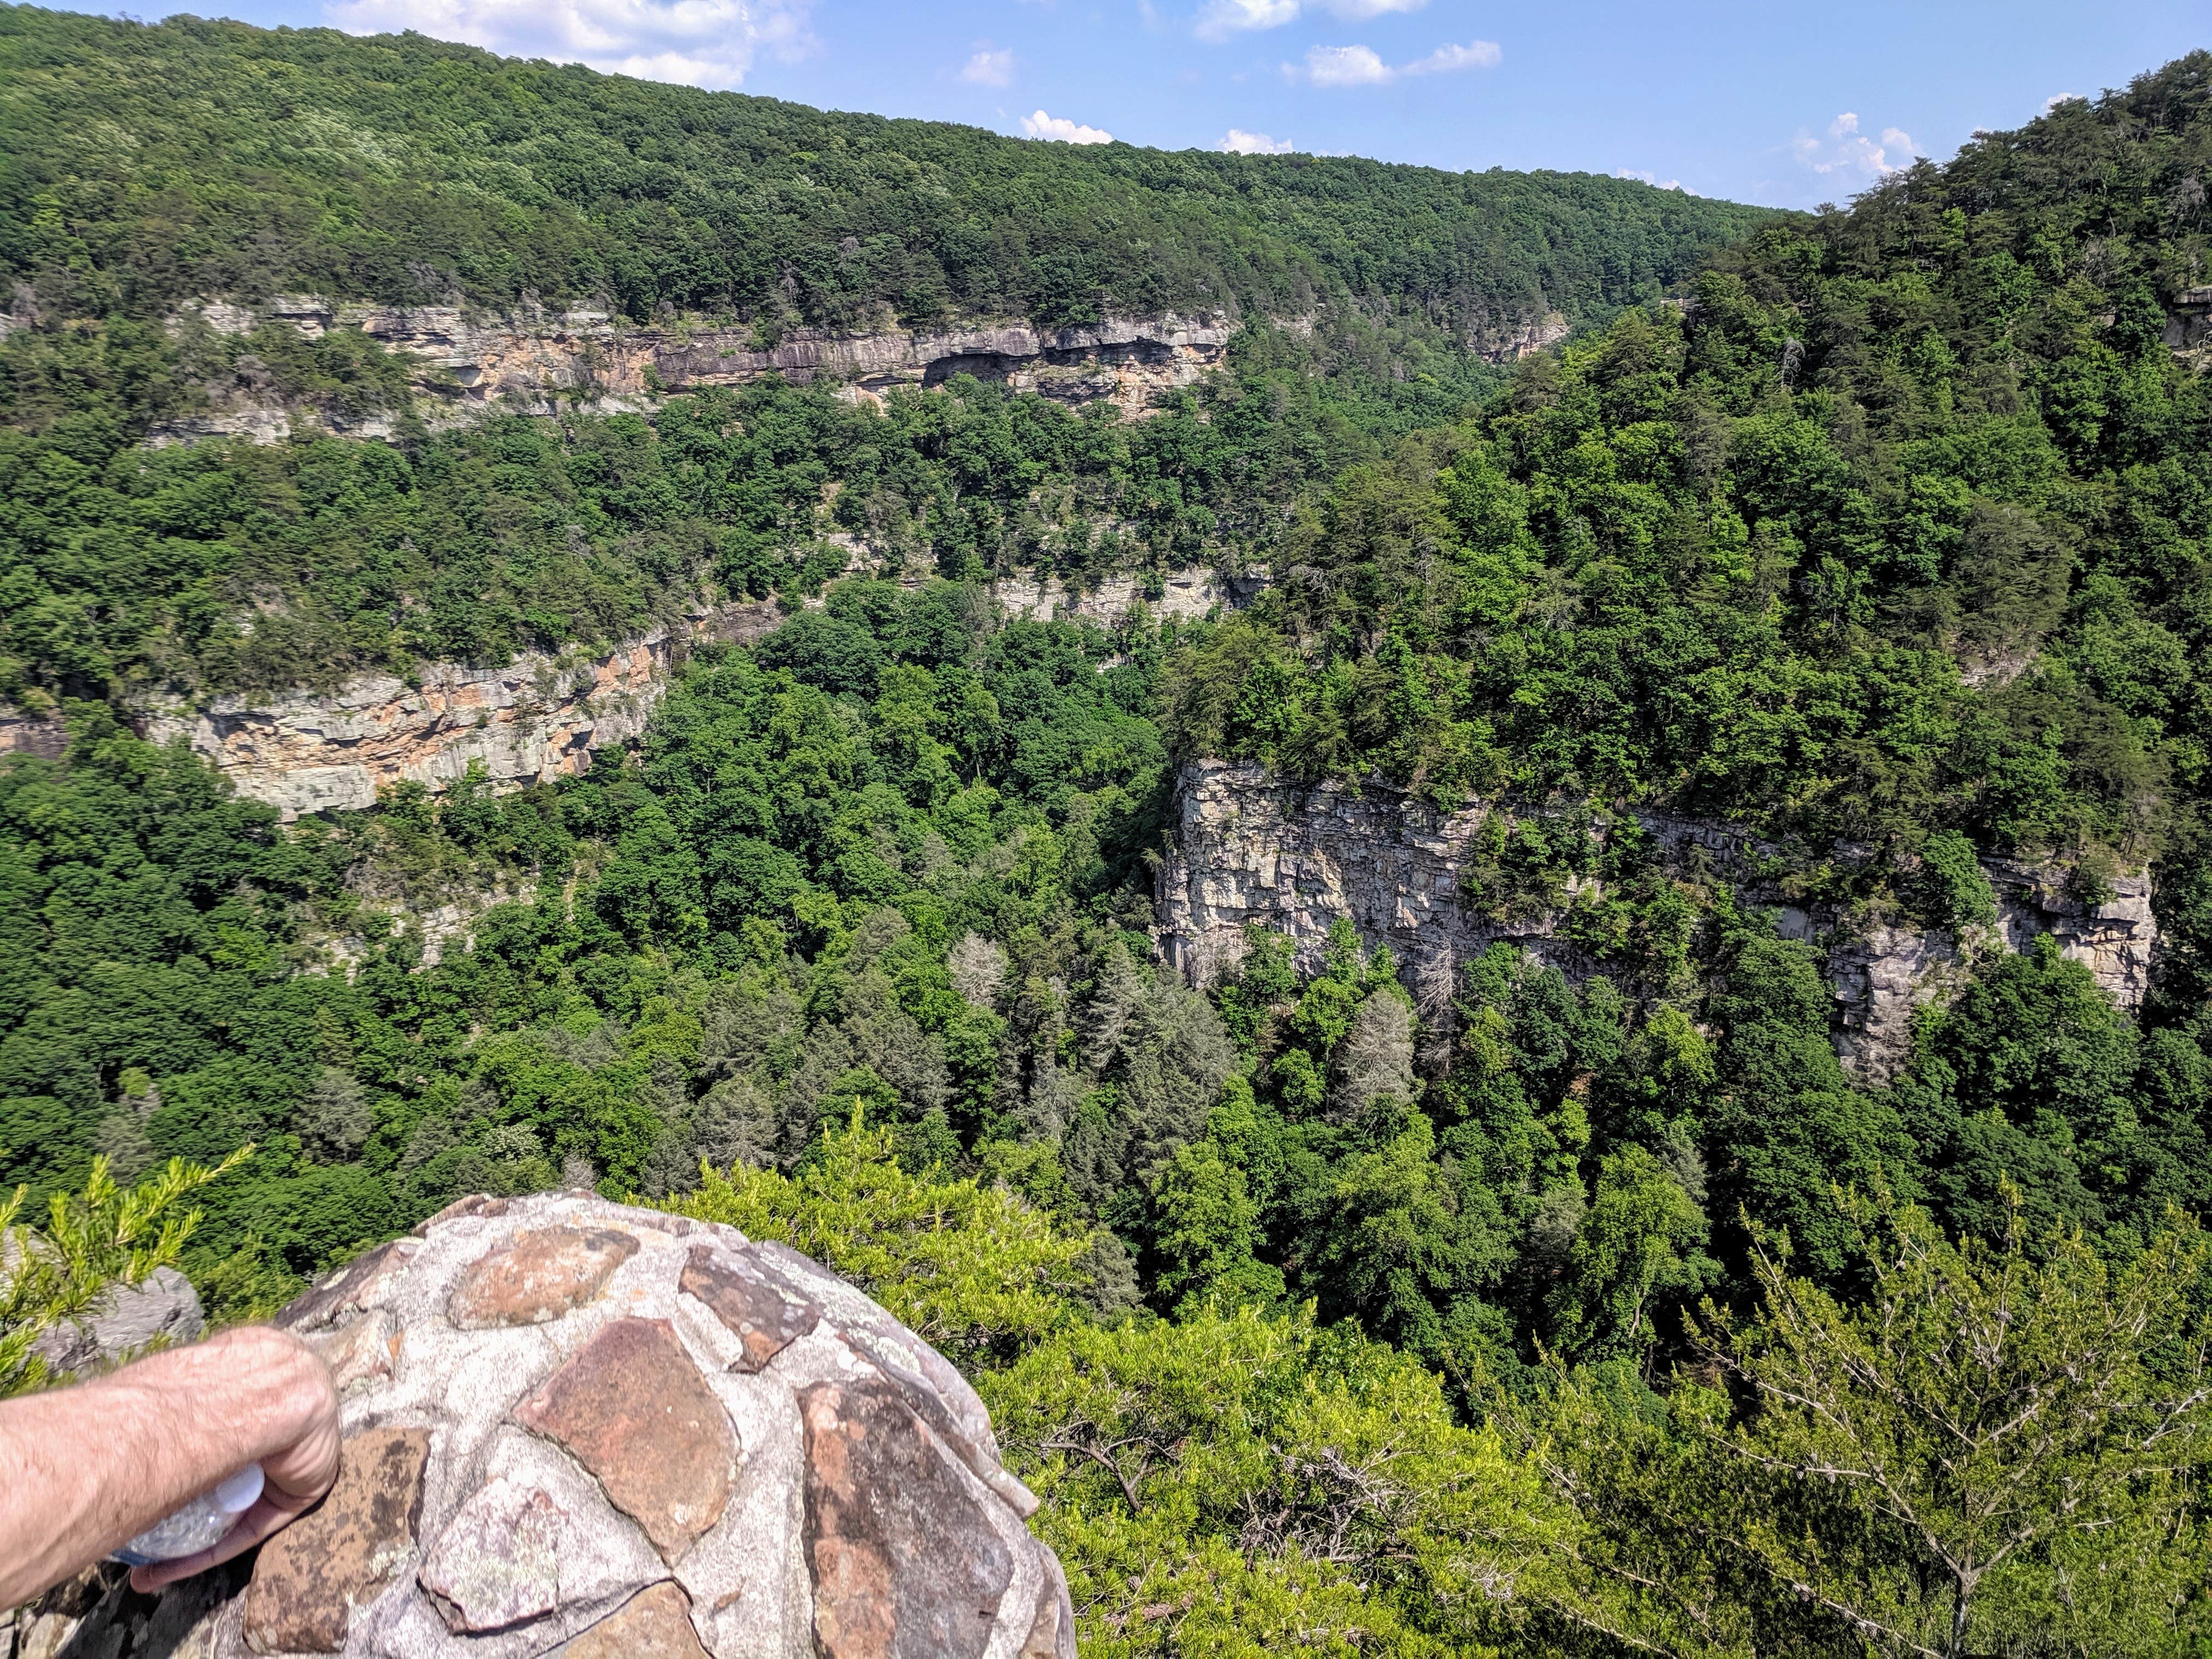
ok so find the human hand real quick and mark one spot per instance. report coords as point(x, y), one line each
point(299, 1421)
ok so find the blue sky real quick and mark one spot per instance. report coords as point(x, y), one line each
point(1784, 104)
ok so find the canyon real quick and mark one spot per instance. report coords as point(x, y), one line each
point(1252, 848)
point(1249, 848)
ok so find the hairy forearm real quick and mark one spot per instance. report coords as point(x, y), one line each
point(84, 1469)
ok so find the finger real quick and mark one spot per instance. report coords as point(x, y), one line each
point(270, 1512)
point(147, 1579)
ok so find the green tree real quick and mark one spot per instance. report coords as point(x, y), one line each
point(1999, 1451)
point(1234, 1484)
point(972, 1269)
point(1637, 1257)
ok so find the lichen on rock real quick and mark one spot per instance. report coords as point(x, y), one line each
point(682, 1443)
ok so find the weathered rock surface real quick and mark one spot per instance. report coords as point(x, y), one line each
point(529, 722)
point(537, 719)
point(1185, 595)
point(1250, 847)
point(2189, 327)
point(127, 1320)
point(311, 1579)
point(541, 1276)
point(1525, 339)
point(42, 735)
point(714, 1448)
point(531, 362)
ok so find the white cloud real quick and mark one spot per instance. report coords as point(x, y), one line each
point(1238, 141)
point(1362, 66)
point(1040, 125)
point(1223, 18)
point(1345, 66)
point(1848, 152)
point(708, 42)
point(2058, 98)
point(1445, 60)
point(1652, 180)
point(990, 69)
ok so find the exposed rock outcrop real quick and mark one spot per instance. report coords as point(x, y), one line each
point(532, 361)
point(529, 722)
point(2189, 327)
point(1250, 847)
point(573, 1427)
point(1525, 338)
point(1184, 595)
point(21, 733)
point(126, 1322)
point(539, 717)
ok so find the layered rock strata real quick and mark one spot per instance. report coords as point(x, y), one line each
point(1252, 848)
point(577, 1428)
point(1184, 595)
point(539, 718)
point(532, 362)
point(531, 721)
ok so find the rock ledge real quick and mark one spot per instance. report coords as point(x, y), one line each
point(573, 1427)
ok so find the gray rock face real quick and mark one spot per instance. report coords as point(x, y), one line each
point(470, 362)
point(539, 717)
point(1250, 847)
point(575, 1427)
point(129, 1319)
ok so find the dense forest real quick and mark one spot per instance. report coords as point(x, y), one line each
point(242, 162)
point(130, 565)
point(248, 161)
point(1599, 1315)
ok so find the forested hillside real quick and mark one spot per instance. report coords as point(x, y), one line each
point(1604, 1313)
point(235, 163)
point(245, 161)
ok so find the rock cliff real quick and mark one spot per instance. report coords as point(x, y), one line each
point(536, 718)
point(532, 361)
point(1524, 338)
point(42, 735)
point(529, 722)
point(573, 1427)
point(1249, 846)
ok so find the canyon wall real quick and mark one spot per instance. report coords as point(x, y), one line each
point(532, 361)
point(539, 717)
point(530, 722)
point(1249, 846)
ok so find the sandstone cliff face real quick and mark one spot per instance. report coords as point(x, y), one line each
point(1252, 848)
point(531, 361)
point(1524, 339)
point(1185, 595)
point(529, 722)
point(575, 1427)
point(43, 735)
point(539, 718)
